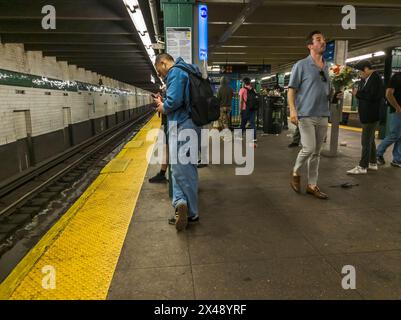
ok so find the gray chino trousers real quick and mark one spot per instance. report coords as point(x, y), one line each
point(313, 132)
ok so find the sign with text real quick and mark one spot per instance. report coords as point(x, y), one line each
point(179, 43)
point(202, 32)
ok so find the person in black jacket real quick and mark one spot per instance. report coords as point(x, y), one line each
point(370, 95)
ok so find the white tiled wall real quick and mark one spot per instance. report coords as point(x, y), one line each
point(46, 111)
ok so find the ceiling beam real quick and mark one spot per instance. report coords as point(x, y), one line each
point(311, 16)
point(278, 43)
point(300, 32)
point(109, 40)
point(65, 27)
point(65, 10)
point(83, 48)
point(361, 3)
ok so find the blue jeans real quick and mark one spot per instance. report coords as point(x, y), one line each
point(393, 137)
point(184, 176)
point(246, 116)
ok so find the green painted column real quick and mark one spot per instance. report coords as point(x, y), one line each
point(178, 13)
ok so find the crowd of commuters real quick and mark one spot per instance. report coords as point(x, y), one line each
point(310, 93)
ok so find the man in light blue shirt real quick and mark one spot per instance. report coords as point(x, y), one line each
point(309, 100)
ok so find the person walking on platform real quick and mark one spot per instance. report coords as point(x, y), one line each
point(309, 96)
point(177, 107)
point(225, 95)
point(393, 95)
point(370, 95)
point(247, 99)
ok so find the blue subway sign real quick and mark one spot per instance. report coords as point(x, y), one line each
point(202, 24)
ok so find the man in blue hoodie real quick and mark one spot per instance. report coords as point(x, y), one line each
point(177, 107)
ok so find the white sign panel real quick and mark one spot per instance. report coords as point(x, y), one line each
point(179, 43)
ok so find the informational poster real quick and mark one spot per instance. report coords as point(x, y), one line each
point(179, 42)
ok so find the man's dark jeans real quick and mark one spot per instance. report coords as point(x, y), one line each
point(368, 144)
point(248, 116)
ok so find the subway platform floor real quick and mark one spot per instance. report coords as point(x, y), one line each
point(258, 239)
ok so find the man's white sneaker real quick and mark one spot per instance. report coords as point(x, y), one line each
point(357, 170)
point(373, 166)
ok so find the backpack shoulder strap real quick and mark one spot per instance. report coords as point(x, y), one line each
point(187, 70)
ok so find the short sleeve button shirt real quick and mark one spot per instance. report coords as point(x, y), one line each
point(313, 94)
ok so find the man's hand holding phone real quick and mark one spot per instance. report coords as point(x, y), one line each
point(159, 102)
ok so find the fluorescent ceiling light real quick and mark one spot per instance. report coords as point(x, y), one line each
point(213, 68)
point(229, 52)
point(366, 56)
point(136, 15)
point(230, 62)
point(253, 80)
point(268, 77)
point(379, 54)
point(287, 73)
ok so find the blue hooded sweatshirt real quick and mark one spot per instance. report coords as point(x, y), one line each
point(177, 103)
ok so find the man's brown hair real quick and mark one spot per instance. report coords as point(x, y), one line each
point(309, 38)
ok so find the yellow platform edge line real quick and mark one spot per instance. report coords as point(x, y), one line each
point(349, 128)
point(20, 272)
point(9, 285)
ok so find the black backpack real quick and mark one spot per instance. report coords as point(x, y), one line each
point(252, 100)
point(205, 107)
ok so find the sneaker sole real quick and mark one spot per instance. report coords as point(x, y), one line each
point(182, 220)
point(395, 165)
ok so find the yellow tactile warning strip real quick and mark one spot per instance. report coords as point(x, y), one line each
point(116, 165)
point(77, 258)
point(354, 129)
point(351, 128)
point(134, 144)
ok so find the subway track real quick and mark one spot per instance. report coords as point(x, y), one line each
point(45, 192)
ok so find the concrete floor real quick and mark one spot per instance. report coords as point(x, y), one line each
point(257, 239)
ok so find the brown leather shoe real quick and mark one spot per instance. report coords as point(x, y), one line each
point(181, 217)
point(295, 182)
point(316, 193)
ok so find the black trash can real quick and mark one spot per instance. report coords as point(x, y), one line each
point(273, 109)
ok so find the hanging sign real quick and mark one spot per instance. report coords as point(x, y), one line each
point(202, 32)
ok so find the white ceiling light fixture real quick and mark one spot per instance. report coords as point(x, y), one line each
point(136, 15)
point(229, 63)
point(366, 56)
point(229, 53)
point(268, 77)
point(379, 54)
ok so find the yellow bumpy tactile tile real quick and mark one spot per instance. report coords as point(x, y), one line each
point(117, 165)
point(77, 257)
point(134, 144)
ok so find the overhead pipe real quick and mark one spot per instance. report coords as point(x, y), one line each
point(155, 21)
point(245, 13)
